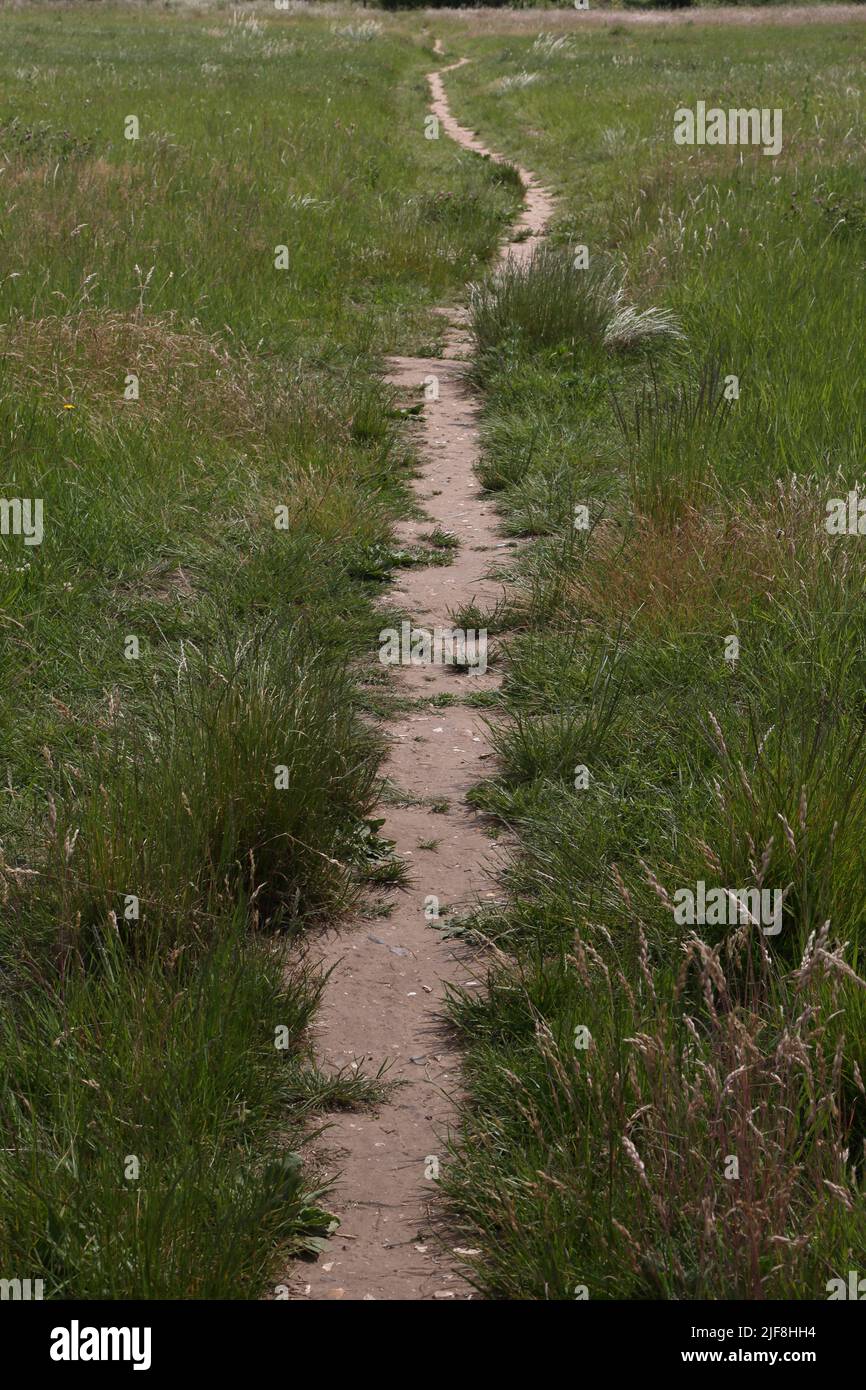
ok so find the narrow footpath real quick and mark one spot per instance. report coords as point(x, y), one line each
point(384, 998)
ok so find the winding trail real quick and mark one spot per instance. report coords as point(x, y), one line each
point(384, 998)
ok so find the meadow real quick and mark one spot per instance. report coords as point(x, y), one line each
point(215, 222)
point(194, 304)
point(660, 1109)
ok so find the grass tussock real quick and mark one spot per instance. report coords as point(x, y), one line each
point(671, 1139)
point(546, 302)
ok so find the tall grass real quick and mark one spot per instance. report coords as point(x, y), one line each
point(658, 1108)
point(140, 1115)
point(546, 302)
point(669, 433)
point(186, 772)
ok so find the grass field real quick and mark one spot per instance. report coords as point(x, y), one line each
point(186, 773)
point(192, 330)
point(659, 1109)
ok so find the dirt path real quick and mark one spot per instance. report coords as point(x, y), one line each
point(384, 998)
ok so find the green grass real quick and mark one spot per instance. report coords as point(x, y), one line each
point(620, 1061)
point(187, 779)
point(177, 810)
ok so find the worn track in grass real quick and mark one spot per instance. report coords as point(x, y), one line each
point(385, 994)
